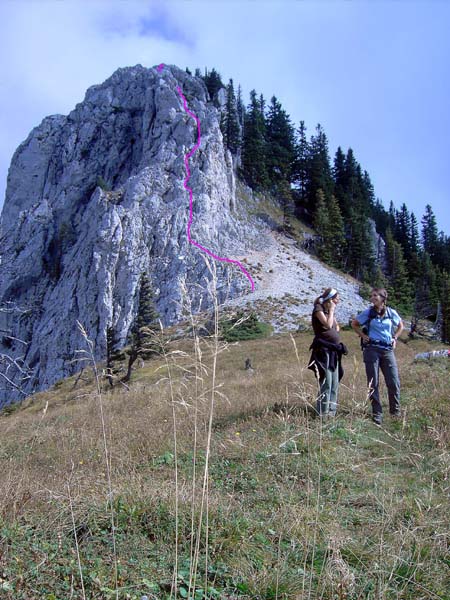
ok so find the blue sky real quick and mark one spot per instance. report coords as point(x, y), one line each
point(375, 74)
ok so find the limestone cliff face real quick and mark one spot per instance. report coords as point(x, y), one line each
point(96, 198)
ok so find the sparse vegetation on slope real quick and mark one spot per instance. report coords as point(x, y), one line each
point(289, 507)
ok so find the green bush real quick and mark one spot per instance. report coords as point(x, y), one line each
point(101, 183)
point(243, 327)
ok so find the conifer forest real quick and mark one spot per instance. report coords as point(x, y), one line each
point(336, 197)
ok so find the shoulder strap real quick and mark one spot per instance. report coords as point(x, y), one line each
point(372, 315)
point(389, 316)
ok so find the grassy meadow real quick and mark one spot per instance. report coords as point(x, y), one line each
point(205, 480)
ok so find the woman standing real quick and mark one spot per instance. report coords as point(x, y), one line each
point(379, 328)
point(327, 351)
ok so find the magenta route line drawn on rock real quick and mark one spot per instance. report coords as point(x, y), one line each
point(186, 164)
point(187, 156)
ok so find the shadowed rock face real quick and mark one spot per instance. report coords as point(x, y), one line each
point(96, 198)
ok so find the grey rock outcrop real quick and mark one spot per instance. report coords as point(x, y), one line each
point(96, 198)
point(378, 245)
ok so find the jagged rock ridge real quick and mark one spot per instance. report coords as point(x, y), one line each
point(73, 251)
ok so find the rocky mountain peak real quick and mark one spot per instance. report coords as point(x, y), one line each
point(97, 198)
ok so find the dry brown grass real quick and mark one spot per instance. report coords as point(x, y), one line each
point(62, 426)
point(261, 436)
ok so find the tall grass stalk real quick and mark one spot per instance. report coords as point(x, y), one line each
point(90, 355)
point(174, 586)
point(32, 445)
point(317, 506)
point(75, 534)
point(199, 370)
point(204, 501)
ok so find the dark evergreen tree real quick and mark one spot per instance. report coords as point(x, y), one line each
point(230, 125)
point(392, 213)
point(442, 253)
point(143, 331)
point(360, 258)
point(321, 224)
point(445, 304)
point(398, 282)
point(336, 234)
point(284, 193)
point(243, 327)
point(301, 168)
point(414, 239)
point(427, 292)
point(329, 226)
point(110, 344)
point(254, 170)
point(403, 230)
point(240, 108)
point(281, 144)
point(368, 191)
point(348, 182)
point(213, 82)
point(381, 217)
point(430, 233)
point(262, 106)
point(319, 170)
point(340, 181)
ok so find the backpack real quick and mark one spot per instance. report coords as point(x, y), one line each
point(373, 315)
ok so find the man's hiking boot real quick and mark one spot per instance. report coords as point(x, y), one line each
point(377, 419)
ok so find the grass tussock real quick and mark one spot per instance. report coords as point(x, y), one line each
point(207, 480)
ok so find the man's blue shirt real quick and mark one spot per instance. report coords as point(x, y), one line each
point(381, 329)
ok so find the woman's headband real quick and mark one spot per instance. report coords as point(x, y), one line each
point(331, 294)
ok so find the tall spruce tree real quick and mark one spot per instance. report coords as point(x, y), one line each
point(442, 254)
point(284, 193)
point(381, 217)
point(360, 260)
point(281, 144)
point(301, 168)
point(329, 226)
point(430, 233)
point(321, 223)
point(414, 239)
point(319, 170)
point(143, 330)
point(399, 285)
point(368, 191)
point(340, 182)
point(445, 304)
point(403, 230)
point(336, 234)
point(110, 352)
point(230, 123)
point(240, 107)
point(213, 82)
point(427, 292)
point(254, 159)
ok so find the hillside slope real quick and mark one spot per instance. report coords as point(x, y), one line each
point(288, 280)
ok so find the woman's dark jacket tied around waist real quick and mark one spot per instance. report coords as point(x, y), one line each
point(326, 354)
